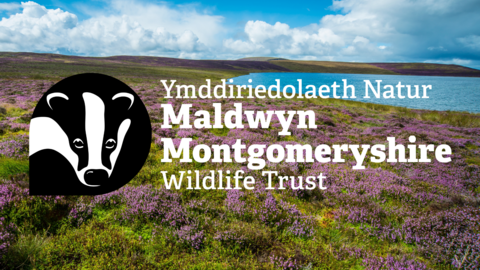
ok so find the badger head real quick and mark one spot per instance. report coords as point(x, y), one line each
point(91, 147)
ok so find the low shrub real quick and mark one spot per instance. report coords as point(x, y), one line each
point(92, 246)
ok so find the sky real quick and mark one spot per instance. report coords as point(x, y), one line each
point(434, 31)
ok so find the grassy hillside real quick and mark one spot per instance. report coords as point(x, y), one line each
point(59, 66)
point(331, 67)
point(260, 59)
point(426, 69)
point(388, 216)
point(130, 68)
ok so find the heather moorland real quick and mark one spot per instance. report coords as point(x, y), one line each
point(388, 216)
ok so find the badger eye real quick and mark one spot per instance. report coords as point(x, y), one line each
point(110, 143)
point(78, 143)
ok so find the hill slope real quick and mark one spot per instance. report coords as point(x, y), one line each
point(12, 61)
point(426, 69)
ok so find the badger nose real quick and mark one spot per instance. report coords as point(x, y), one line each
point(95, 177)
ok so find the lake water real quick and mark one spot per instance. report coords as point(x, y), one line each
point(447, 93)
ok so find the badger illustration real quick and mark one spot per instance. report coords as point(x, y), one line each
point(89, 134)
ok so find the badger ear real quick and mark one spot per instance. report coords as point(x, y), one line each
point(53, 95)
point(125, 95)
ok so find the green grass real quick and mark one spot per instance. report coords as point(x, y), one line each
point(220, 131)
point(9, 167)
point(131, 73)
point(473, 161)
point(331, 67)
point(260, 58)
point(25, 251)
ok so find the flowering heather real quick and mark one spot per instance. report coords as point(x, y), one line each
point(138, 203)
point(7, 236)
point(234, 202)
point(80, 213)
point(375, 263)
point(14, 147)
point(447, 236)
point(387, 216)
point(269, 211)
point(146, 202)
point(190, 235)
point(284, 264)
point(10, 194)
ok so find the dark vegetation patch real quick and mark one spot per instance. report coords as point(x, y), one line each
point(331, 67)
point(426, 69)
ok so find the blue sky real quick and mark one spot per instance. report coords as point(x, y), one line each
point(440, 31)
point(300, 14)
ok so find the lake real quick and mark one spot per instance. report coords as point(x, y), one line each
point(447, 93)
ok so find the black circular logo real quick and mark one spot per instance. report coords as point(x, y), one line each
point(90, 134)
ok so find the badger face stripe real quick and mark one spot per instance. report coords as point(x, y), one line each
point(94, 129)
point(122, 131)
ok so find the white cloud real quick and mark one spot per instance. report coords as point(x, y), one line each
point(472, 42)
point(136, 31)
point(174, 19)
point(414, 31)
point(36, 28)
point(259, 31)
point(9, 6)
point(280, 39)
point(439, 48)
point(362, 30)
point(245, 47)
